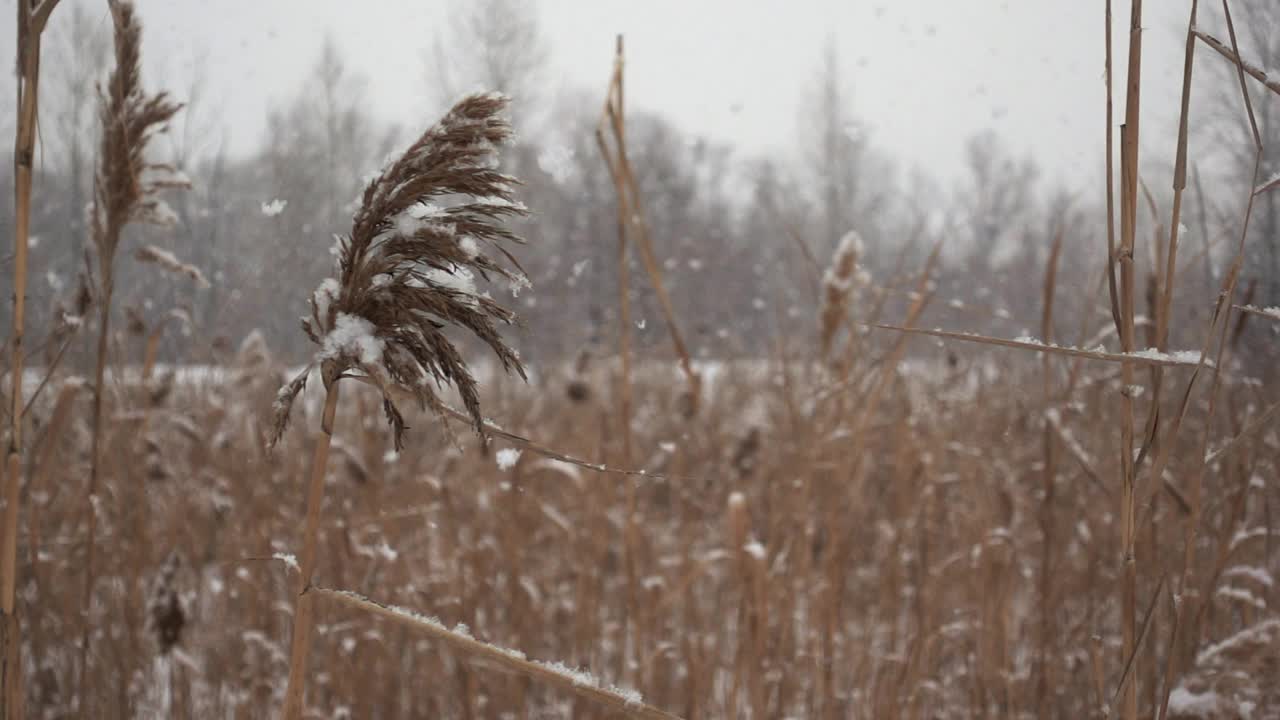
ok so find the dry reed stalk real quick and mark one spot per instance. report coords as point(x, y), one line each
point(1166, 304)
point(812, 270)
point(1233, 56)
point(614, 103)
point(304, 606)
point(405, 273)
point(1110, 184)
point(626, 186)
point(1130, 133)
point(1140, 358)
point(1223, 309)
point(627, 704)
point(1047, 503)
point(614, 99)
point(32, 18)
point(837, 533)
point(492, 430)
point(44, 459)
point(126, 189)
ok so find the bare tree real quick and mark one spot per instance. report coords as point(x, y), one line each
point(492, 43)
point(850, 180)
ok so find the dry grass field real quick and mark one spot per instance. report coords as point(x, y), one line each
point(880, 521)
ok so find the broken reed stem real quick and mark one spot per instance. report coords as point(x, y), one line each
point(625, 184)
point(624, 277)
point(1234, 58)
point(1137, 359)
point(32, 19)
point(1111, 204)
point(628, 215)
point(509, 660)
point(304, 605)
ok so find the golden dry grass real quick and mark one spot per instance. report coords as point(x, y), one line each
point(810, 582)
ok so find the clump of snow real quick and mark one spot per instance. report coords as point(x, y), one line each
point(630, 696)
point(755, 550)
point(274, 207)
point(1183, 702)
point(506, 458)
point(352, 335)
point(418, 217)
point(737, 501)
point(290, 560)
point(1185, 357)
point(519, 281)
point(324, 295)
point(847, 253)
point(1271, 312)
point(460, 279)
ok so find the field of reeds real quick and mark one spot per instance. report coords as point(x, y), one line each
point(884, 520)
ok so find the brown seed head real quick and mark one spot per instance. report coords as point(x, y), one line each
point(406, 273)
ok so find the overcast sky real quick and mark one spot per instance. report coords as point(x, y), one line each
point(925, 74)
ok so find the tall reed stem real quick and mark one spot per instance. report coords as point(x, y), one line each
point(31, 22)
point(304, 606)
point(95, 468)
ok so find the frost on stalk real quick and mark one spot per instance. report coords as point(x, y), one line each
point(429, 226)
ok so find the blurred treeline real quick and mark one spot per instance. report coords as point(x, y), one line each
point(744, 239)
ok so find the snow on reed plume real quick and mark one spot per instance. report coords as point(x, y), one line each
point(837, 287)
point(407, 271)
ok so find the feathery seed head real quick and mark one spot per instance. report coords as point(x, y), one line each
point(428, 225)
point(127, 187)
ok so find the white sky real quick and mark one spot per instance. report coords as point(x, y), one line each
point(925, 74)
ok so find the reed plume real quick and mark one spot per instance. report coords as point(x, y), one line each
point(126, 189)
point(837, 288)
point(406, 273)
